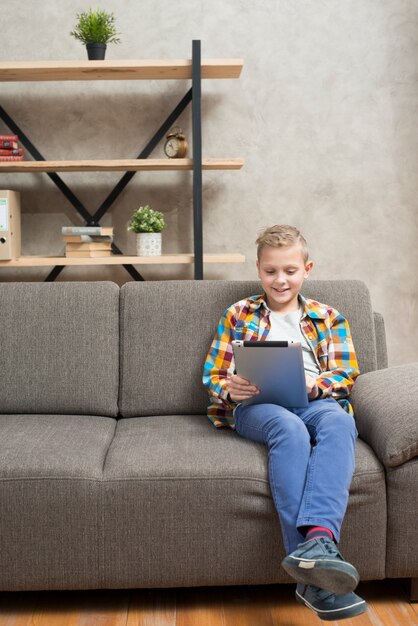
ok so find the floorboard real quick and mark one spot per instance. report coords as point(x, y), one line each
point(265, 605)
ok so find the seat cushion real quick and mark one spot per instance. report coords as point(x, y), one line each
point(86, 502)
point(51, 468)
point(59, 348)
point(187, 504)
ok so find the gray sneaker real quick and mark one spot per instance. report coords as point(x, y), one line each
point(318, 562)
point(329, 606)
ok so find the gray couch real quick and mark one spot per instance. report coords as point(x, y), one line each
point(111, 475)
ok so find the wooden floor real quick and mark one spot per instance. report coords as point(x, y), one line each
point(271, 605)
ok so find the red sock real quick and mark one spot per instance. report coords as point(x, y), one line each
point(319, 531)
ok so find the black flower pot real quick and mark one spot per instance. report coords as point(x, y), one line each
point(96, 51)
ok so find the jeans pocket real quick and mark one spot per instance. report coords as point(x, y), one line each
point(236, 417)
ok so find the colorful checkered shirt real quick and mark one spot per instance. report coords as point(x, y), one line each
point(325, 329)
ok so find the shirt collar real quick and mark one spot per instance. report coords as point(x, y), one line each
point(259, 302)
point(311, 308)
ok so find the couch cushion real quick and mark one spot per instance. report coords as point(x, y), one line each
point(59, 348)
point(51, 468)
point(187, 504)
point(54, 446)
point(167, 327)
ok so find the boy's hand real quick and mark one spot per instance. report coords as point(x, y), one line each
point(311, 387)
point(241, 389)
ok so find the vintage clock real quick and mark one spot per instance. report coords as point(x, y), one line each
point(175, 146)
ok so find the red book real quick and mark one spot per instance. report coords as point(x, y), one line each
point(14, 152)
point(11, 158)
point(9, 138)
point(10, 145)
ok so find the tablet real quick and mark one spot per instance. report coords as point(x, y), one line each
point(276, 367)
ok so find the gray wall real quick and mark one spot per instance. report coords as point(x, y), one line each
point(324, 115)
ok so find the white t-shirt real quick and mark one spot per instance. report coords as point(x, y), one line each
point(287, 328)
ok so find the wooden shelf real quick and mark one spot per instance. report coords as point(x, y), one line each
point(116, 70)
point(119, 165)
point(120, 259)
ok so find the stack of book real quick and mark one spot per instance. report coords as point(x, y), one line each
point(9, 148)
point(87, 241)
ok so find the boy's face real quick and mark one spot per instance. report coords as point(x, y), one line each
point(282, 272)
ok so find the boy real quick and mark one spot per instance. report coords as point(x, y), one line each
point(311, 449)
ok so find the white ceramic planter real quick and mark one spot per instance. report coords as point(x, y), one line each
point(148, 244)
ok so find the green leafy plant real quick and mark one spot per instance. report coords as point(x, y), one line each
point(95, 27)
point(146, 220)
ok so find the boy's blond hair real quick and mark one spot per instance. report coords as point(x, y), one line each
point(282, 235)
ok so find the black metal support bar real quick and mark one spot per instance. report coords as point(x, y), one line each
point(197, 160)
point(25, 141)
point(54, 273)
point(93, 220)
point(144, 154)
point(133, 272)
point(129, 268)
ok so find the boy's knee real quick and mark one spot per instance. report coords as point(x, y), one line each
point(288, 425)
point(341, 421)
point(351, 425)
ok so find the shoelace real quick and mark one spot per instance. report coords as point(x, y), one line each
point(331, 548)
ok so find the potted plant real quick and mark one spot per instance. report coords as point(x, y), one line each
point(95, 29)
point(147, 224)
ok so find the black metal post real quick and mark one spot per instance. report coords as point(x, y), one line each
point(197, 160)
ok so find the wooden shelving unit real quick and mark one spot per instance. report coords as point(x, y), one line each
point(157, 69)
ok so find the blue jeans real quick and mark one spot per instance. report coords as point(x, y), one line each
point(311, 462)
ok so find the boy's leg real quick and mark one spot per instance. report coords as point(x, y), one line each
point(331, 465)
point(324, 502)
point(289, 450)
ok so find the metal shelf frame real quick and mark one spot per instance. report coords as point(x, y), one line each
point(192, 96)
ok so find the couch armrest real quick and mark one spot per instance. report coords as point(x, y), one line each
point(381, 347)
point(385, 404)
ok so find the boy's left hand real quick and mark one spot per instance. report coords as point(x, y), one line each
point(311, 387)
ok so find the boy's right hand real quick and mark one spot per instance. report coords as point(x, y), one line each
point(240, 389)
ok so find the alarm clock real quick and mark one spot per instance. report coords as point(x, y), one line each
point(175, 146)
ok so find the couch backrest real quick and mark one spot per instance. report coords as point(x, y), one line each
point(59, 348)
point(167, 327)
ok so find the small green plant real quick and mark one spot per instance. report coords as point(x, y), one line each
point(146, 220)
point(95, 27)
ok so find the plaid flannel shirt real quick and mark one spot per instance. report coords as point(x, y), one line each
point(325, 329)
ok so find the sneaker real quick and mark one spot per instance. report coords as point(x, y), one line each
point(329, 606)
point(318, 562)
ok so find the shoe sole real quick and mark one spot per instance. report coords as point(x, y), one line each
point(334, 614)
point(327, 574)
